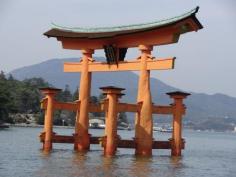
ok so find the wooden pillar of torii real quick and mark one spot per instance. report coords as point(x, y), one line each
point(178, 110)
point(111, 138)
point(115, 42)
point(82, 117)
point(48, 120)
point(143, 121)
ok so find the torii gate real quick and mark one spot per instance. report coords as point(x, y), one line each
point(115, 41)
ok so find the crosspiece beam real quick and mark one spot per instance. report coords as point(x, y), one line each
point(96, 140)
point(152, 64)
point(72, 106)
point(122, 107)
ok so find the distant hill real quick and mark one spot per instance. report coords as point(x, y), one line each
point(200, 106)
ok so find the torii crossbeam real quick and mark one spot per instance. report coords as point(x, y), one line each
point(152, 64)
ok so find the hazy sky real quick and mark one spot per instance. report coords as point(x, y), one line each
point(205, 59)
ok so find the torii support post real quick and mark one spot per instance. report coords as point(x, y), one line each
point(82, 137)
point(143, 122)
point(111, 138)
point(48, 118)
point(178, 110)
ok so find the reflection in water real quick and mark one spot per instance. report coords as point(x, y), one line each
point(107, 163)
point(176, 161)
point(93, 163)
point(79, 157)
point(45, 154)
point(176, 166)
point(78, 164)
point(141, 166)
point(108, 166)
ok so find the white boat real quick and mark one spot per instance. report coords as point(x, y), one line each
point(157, 128)
point(167, 130)
point(4, 126)
point(96, 126)
point(124, 128)
point(103, 126)
point(163, 129)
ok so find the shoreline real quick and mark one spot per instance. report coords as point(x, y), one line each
point(72, 127)
point(38, 126)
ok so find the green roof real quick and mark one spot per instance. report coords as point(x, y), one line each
point(98, 32)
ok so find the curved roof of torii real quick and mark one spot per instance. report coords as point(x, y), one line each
point(110, 32)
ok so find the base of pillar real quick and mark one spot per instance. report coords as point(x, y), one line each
point(47, 146)
point(110, 150)
point(143, 152)
point(143, 148)
point(175, 153)
point(176, 149)
point(81, 143)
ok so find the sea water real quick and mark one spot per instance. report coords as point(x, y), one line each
point(206, 154)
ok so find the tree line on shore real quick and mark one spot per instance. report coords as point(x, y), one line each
point(24, 97)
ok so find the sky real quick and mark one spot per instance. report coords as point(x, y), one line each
point(205, 59)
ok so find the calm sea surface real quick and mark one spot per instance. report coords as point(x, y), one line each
point(207, 154)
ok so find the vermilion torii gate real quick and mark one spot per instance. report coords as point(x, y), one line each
point(115, 41)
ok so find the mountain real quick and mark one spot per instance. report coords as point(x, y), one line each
point(200, 106)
